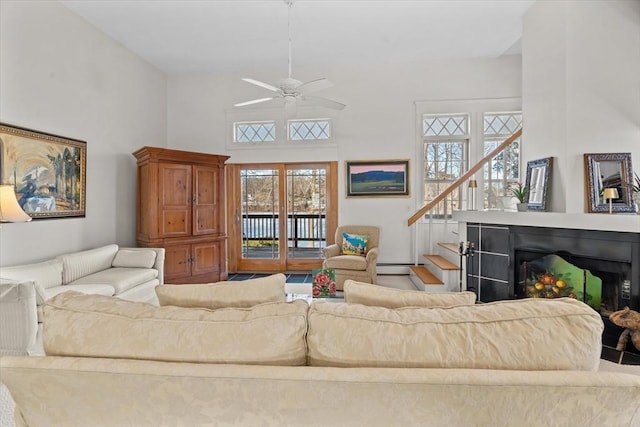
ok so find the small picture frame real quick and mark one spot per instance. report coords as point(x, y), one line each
point(539, 173)
point(377, 178)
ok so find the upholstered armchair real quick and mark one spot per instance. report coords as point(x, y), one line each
point(350, 257)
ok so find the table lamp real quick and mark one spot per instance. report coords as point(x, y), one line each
point(10, 210)
point(473, 184)
point(610, 193)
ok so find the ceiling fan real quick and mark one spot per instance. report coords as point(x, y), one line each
point(293, 92)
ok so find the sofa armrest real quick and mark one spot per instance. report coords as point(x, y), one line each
point(18, 318)
point(331, 251)
point(159, 262)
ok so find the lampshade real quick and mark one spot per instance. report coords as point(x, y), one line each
point(610, 193)
point(10, 210)
point(473, 183)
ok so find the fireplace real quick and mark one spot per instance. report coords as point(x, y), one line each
point(601, 268)
point(604, 285)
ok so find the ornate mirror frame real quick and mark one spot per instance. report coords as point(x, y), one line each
point(608, 170)
point(539, 182)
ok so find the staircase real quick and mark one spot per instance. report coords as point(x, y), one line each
point(438, 272)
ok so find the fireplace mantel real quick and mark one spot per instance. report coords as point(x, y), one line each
point(604, 222)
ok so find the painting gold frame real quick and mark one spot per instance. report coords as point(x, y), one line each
point(48, 172)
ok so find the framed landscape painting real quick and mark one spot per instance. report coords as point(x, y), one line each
point(48, 172)
point(377, 178)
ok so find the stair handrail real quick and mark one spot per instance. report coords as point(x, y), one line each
point(472, 170)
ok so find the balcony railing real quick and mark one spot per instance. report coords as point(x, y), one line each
point(306, 234)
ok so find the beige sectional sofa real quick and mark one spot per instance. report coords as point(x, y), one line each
point(128, 273)
point(112, 362)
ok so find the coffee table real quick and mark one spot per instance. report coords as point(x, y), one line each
point(303, 291)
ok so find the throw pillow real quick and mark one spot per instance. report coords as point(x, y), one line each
point(497, 335)
point(244, 293)
point(133, 258)
point(109, 327)
point(381, 296)
point(354, 244)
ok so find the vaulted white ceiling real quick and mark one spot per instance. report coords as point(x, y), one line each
point(206, 36)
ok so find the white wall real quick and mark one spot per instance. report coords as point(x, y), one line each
point(379, 122)
point(60, 75)
point(581, 88)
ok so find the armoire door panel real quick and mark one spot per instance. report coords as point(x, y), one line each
point(175, 223)
point(177, 262)
point(206, 257)
point(207, 204)
point(175, 202)
point(176, 184)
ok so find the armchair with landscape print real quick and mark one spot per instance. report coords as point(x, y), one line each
point(354, 254)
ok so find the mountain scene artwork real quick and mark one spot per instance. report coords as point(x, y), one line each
point(385, 178)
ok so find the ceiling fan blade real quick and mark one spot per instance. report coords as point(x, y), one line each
point(323, 102)
point(253, 101)
point(314, 86)
point(262, 84)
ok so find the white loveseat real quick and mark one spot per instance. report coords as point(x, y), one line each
point(128, 273)
point(525, 363)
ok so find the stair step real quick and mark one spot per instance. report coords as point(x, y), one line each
point(427, 277)
point(453, 247)
point(441, 262)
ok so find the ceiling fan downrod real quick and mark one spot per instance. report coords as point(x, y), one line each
point(289, 4)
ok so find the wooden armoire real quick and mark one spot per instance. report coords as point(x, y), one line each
point(181, 207)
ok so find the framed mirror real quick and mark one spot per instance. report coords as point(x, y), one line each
point(608, 170)
point(539, 182)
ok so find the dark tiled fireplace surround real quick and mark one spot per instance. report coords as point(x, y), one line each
point(495, 271)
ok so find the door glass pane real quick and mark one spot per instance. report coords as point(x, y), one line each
point(306, 212)
point(260, 207)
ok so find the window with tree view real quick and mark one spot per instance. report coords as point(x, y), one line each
point(445, 149)
point(503, 171)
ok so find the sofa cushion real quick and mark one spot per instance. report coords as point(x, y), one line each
point(528, 334)
point(382, 296)
point(134, 258)
point(346, 262)
point(99, 326)
point(45, 274)
point(121, 279)
point(106, 290)
point(80, 264)
point(245, 293)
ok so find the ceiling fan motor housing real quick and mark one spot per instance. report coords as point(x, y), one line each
point(288, 85)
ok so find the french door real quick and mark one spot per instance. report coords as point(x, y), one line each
point(280, 215)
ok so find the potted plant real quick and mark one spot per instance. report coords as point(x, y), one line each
point(521, 192)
